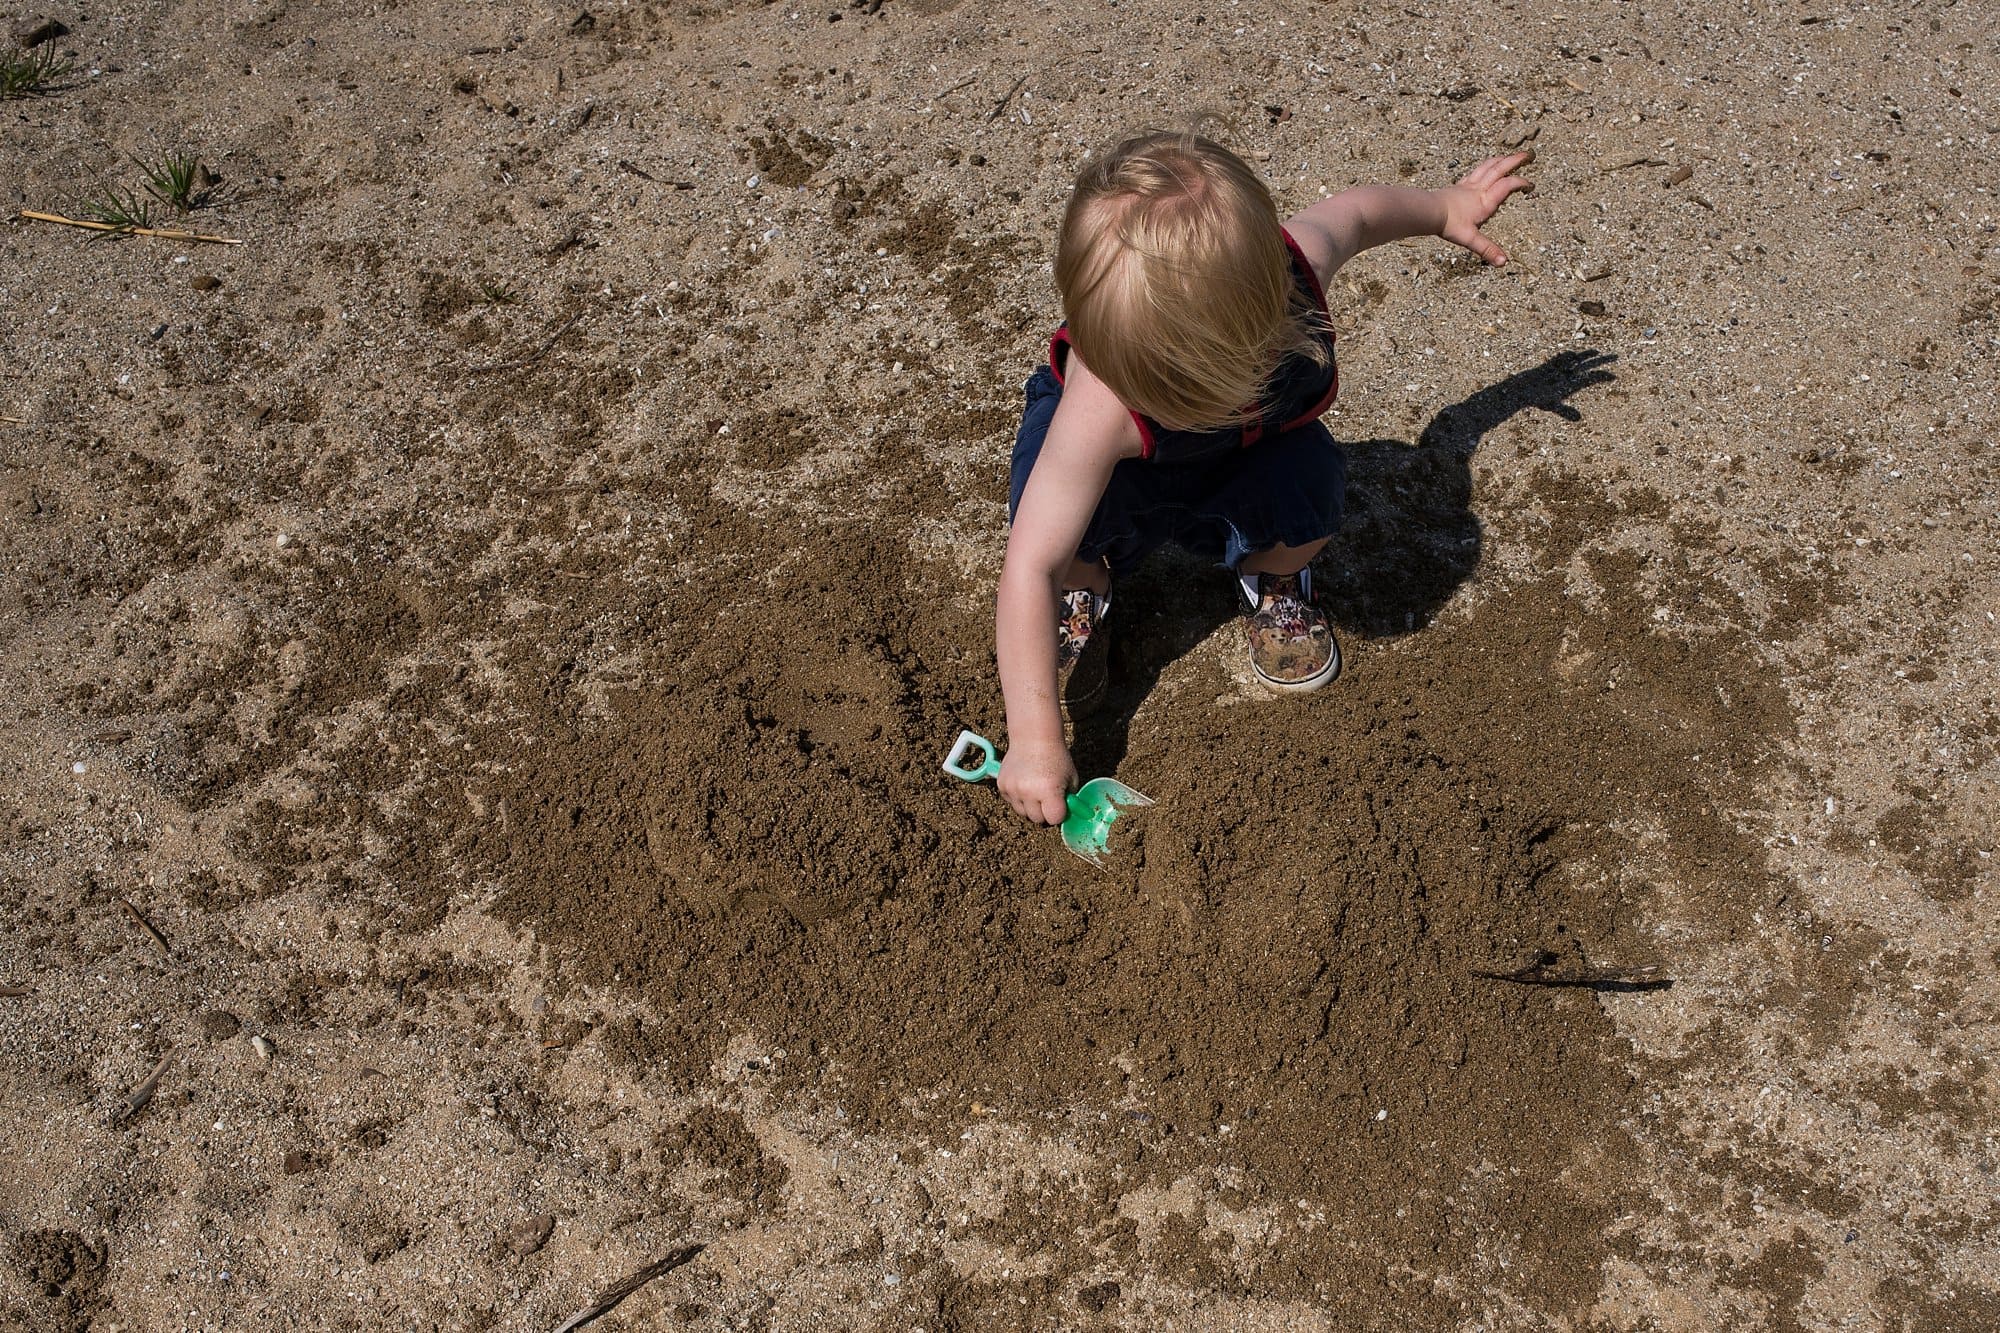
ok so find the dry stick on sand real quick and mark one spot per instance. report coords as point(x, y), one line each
point(9, 992)
point(954, 87)
point(532, 357)
point(609, 1300)
point(1007, 97)
point(161, 232)
point(146, 923)
point(136, 1099)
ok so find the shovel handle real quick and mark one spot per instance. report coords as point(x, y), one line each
point(958, 759)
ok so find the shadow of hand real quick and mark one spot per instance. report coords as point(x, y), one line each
point(1411, 537)
point(1547, 387)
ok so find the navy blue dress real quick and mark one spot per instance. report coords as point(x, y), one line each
point(1278, 480)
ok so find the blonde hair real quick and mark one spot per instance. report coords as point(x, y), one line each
point(1177, 283)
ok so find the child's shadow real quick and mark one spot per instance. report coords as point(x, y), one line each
point(1409, 540)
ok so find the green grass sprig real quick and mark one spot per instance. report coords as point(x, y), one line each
point(30, 73)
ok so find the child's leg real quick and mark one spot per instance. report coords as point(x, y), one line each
point(1280, 506)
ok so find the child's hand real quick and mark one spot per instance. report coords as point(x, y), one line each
point(1037, 780)
point(1477, 197)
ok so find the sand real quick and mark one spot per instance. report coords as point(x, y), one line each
point(478, 655)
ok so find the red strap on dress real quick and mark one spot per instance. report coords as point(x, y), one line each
point(1059, 352)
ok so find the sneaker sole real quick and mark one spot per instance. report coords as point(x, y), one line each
point(1324, 676)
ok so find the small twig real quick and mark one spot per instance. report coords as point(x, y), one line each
point(1533, 967)
point(532, 357)
point(954, 87)
point(1501, 100)
point(1536, 972)
point(14, 421)
point(145, 923)
point(163, 233)
point(1007, 97)
point(635, 169)
point(9, 992)
point(136, 1099)
point(610, 1300)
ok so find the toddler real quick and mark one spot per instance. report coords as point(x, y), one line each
point(1181, 403)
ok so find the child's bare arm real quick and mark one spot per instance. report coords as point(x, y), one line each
point(1335, 230)
point(1085, 441)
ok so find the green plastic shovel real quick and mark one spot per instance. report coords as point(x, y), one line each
point(1092, 807)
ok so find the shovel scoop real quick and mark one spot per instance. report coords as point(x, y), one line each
point(1092, 807)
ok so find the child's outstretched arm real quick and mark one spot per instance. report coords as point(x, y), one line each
point(1335, 230)
point(1085, 441)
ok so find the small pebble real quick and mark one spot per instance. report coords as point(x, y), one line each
point(204, 282)
point(79, 768)
point(38, 28)
point(530, 1234)
point(752, 182)
point(1381, 1115)
point(261, 1045)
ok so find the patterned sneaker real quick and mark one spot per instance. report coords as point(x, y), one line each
point(1291, 645)
point(1082, 651)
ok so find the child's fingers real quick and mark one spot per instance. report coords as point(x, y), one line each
point(1484, 246)
point(1493, 168)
